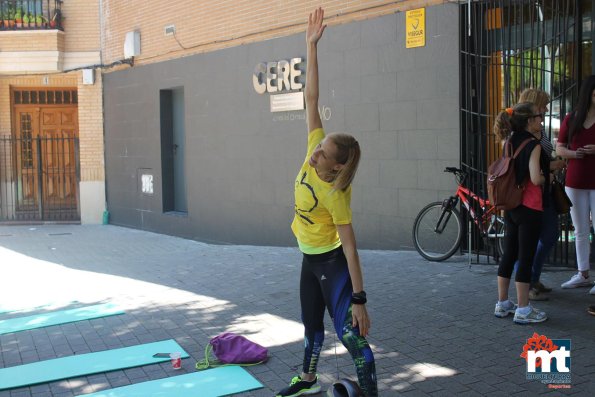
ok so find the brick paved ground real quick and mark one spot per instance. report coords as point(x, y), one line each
point(433, 332)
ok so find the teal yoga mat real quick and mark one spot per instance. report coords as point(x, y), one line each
point(58, 317)
point(86, 364)
point(210, 383)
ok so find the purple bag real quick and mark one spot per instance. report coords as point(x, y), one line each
point(230, 348)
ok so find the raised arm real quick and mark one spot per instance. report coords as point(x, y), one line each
point(313, 34)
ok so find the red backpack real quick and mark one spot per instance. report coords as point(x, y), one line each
point(503, 191)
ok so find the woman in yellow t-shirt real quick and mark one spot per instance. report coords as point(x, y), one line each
point(331, 274)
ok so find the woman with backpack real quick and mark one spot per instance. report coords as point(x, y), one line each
point(576, 142)
point(521, 125)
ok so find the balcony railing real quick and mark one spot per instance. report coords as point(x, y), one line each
point(30, 14)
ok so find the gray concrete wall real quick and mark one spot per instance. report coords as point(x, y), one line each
point(241, 159)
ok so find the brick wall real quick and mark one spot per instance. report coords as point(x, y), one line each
point(32, 40)
point(203, 26)
point(81, 25)
point(91, 130)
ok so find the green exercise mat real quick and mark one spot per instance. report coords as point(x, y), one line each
point(86, 364)
point(58, 317)
point(215, 382)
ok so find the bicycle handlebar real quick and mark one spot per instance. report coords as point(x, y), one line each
point(459, 173)
point(454, 170)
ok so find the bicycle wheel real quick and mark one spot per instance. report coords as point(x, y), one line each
point(496, 233)
point(437, 233)
point(500, 239)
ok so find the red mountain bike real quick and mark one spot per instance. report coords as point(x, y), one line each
point(438, 228)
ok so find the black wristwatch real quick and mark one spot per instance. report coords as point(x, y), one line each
point(359, 298)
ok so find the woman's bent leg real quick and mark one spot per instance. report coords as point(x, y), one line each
point(362, 355)
point(337, 291)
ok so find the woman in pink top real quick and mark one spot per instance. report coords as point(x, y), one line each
point(576, 142)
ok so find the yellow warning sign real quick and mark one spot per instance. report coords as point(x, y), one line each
point(415, 30)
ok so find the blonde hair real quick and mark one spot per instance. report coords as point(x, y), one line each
point(348, 154)
point(513, 120)
point(536, 96)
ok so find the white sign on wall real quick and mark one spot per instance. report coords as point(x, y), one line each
point(287, 102)
point(147, 184)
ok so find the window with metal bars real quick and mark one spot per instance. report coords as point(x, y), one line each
point(27, 141)
point(45, 97)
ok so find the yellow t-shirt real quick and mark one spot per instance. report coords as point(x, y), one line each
point(318, 207)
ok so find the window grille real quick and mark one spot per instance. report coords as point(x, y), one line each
point(45, 97)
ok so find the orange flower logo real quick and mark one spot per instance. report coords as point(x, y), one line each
point(536, 343)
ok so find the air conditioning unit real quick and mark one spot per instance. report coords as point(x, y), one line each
point(132, 44)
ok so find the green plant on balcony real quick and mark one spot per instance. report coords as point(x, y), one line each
point(18, 17)
point(8, 17)
point(27, 18)
point(40, 20)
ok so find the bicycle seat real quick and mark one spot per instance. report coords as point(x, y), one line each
point(454, 170)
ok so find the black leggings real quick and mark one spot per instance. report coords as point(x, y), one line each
point(523, 226)
point(325, 282)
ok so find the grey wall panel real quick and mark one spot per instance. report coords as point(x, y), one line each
point(241, 159)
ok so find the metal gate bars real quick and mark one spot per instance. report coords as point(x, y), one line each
point(507, 46)
point(39, 179)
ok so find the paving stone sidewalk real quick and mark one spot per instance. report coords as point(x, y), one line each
point(433, 330)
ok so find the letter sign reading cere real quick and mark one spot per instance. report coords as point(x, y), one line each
point(277, 76)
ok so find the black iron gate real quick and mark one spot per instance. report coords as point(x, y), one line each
point(507, 46)
point(39, 179)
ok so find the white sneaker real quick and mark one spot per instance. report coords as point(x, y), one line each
point(592, 292)
point(502, 311)
point(577, 281)
point(534, 316)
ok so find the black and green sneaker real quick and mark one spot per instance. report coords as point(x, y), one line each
point(297, 387)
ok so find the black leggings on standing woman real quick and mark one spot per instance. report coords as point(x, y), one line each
point(523, 226)
point(325, 282)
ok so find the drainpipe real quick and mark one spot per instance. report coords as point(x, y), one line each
point(105, 218)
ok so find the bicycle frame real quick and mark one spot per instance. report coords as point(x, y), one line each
point(484, 221)
point(438, 240)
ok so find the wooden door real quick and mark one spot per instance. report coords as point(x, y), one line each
point(46, 165)
point(57, 128)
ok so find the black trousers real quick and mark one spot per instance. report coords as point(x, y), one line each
point(523, 226)
point(325, 283)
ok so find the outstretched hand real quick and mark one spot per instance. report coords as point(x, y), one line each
point(315, 26)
